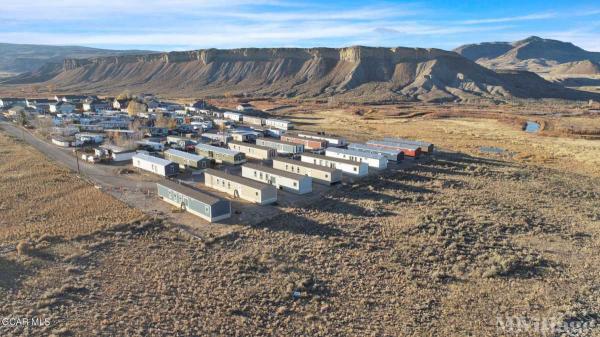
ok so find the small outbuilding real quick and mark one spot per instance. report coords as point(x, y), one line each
point(206, 206)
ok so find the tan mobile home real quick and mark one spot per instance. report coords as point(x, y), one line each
point(319, 174)
point(253, 150)
point(295, 183)
point(240, 187)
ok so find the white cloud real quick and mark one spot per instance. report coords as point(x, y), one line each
point(537, 16)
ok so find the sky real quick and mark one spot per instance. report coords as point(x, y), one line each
point(198, 24)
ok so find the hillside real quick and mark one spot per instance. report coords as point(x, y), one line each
point(353, 73)
point(20, 58)
point(535, 54)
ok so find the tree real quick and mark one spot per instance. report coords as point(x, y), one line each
point(134, 108)
point(22, 118)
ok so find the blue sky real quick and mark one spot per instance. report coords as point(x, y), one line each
point(194, 24)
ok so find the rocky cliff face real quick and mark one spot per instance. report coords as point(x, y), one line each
point(355, 72)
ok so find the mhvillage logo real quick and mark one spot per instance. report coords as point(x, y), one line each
point(24, 321)
point(544, 325)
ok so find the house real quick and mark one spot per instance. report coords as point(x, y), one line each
point(253, 150)
point(62, 107)
point(244, 107)
point(88, 137)
point(410, 150)
point(344, 165)
point(179, 142)
point(96, 106)
point(283, 180)
point(374, 160)
point(234, 116)
point(40, 105)
point(8, 102)
point(332, 141)
point(115, 153)
point(120, 104)
point(220, 155)
point(391, 155)
point(66, 141)
point(281, 147)
point(240, 187)
point(425, 147)
point(310, 144)
point(187, 160)
point(319, 174)
point(150, 145)
point(155, 165)
point(253, 120)
point(279, 124)
point(206, 206)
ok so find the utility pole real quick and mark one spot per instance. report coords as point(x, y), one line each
point(77, 159)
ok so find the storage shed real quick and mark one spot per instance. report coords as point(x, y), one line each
point(281, 147)
point(372, 159)
point(295, 183)
point(410, 150)
point(155, 165)
point(187, 160)
point(253, 150)
point(319, 174)
point(391, 155)
point(240, 187)
point(221, 155)
point(344, 165)
point(425, 147)
point(206, 206)
point(310, 144)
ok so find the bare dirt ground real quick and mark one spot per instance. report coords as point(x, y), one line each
point(449, 247)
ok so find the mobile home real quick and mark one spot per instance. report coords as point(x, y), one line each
point(295, 183)
point(425, 147)
point(332, 141)
point(220, 137)
point(319, 174)
point(240, 187)
point(410, 150)
point(187, 160)
point(234, 116)
point(281, 147)
point(149, 145)
point(391, 155)
point(344, 165)
point(221, 155)
point(253, 120)
point(155, 165)
point(253, 150)
point(114, 153)
point(372, 159)
point(310, 144)
point(205, 206)
point(279, 124)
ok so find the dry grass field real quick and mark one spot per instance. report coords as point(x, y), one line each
point(449, 247)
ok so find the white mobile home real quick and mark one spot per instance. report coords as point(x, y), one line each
point(372, 159)
point(155, 165)
point(390, 154)
point(425, 147)
point(240, 187)
point(114, 153)
point(279, 124)
point(253, 120)
point(150, 146)
point(234, 116)
point(253, 150)
point(319, 174)
point(295, 183)
point(344, 165)
point(88, 137)
point(207, 207)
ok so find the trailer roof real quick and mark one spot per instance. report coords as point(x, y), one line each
point(186, 155)
point(333, 159)
point(356, 153)
point(274, 171)
point(368, 147)
point(394, 144)
point(278, 142)
point(152, 159)
point(216, 149)
point(251, 145)
point(305, 164)
point(408, 141)
point(241, 180)
point(190, 192)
